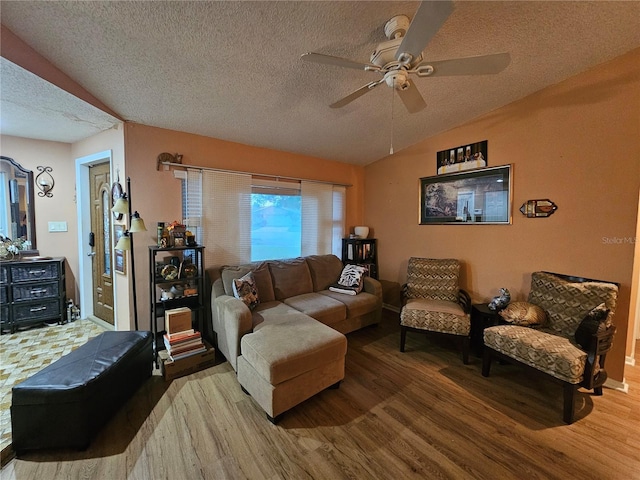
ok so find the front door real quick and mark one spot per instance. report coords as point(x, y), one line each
point(100, 191)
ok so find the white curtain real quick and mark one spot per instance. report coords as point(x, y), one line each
point(322, 218)
point(226, 217)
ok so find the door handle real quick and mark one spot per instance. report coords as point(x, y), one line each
point(91, 254)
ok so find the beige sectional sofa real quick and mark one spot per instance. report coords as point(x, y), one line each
point(283, 350)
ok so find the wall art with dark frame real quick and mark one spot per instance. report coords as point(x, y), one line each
point(120, 261)
point(481, 196)
point(464, 157)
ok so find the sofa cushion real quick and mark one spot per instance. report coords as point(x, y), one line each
point(566, 303)
point(595, 322)
point(351, 280)
point(261, 276)
point(284, 349)
point(245, 289)
point(325, 270)
point(322, 308)
point(290, 278)
point(524, 314)
point(552, 354)
point(436, 316)
point(357, 305)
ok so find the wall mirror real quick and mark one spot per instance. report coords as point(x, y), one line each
point(17, 207)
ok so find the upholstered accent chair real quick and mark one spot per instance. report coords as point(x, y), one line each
point(434, 302)
point(571, 347)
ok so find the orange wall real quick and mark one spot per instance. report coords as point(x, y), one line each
point(576, 143)
point(59, 208)
point(157, 195)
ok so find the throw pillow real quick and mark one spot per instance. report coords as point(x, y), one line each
point(596, 321)
point(524, 314)
point(245, 289)
point(350, 281)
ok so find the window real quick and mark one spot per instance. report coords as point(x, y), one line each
point(253, 219)
point(275, 226)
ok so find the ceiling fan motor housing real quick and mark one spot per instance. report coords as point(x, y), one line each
point(385, 53)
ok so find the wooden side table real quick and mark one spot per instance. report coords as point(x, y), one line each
point(481, 317)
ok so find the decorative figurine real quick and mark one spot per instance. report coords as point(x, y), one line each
point(500, 301)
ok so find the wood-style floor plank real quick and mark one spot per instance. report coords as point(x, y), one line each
point(418, 414)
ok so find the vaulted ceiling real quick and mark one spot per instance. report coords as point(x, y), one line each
point(232, 70)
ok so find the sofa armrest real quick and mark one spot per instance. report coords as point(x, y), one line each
point(231, 320)
point(372, 286)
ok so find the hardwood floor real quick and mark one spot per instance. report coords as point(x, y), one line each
point(418, 414)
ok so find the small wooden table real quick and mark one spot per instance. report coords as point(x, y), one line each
point(482, 317)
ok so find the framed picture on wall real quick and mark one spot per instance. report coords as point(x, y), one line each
point(480, 196)
point(120, 259)
point(464, 157)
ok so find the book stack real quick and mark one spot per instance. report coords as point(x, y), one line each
point(183, 344)
point(181, 340)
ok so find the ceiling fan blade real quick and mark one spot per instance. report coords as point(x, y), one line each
point(357, 94)
point(412, 99)
point(337, 61)
point(430, 16)
point(480, 65)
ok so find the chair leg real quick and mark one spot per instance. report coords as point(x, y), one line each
point(403, 337)
point(569, 402)
point(486, 362)
point(465, 350)
point(597, 391)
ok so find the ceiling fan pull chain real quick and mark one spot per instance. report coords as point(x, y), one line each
point(392, 98)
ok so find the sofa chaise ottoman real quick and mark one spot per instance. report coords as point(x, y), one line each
point(289, 359)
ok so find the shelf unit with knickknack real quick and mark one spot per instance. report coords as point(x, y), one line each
point(188, 290)
point(361, 251)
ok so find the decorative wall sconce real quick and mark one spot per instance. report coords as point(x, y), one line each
point(45, 182)
point(538, 208)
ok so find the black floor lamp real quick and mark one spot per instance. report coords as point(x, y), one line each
point(136, 224)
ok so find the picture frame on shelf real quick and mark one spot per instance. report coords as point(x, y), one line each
point(480, 196)
point(464, 157)
point(120, 261)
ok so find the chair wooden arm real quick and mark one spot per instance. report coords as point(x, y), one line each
point(404, 293)
point(464, 300)
point(594, 372)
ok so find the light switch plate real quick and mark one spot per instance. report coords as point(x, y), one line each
point(57, 226)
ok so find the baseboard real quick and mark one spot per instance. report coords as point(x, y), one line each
point(616, 385)
point(630, 361)
point(392, 308)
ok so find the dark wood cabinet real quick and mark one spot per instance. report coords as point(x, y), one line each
point(361, 251)
point(32, 292)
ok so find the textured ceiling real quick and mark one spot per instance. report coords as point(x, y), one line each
point(232, 70)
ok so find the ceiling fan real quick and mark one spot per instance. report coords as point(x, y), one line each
point(401, 56)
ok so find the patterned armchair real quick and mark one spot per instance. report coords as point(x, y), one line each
point(433, 301)
point(571, 346)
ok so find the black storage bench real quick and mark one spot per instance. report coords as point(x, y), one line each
point(67, 402)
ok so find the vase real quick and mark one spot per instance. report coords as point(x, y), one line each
point(361, 231)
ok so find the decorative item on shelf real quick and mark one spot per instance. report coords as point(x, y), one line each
point(166, 158)
point(136, 225)
point(188, 270)
point(190, 238)
point(538, 208)
point(500, 301)
point(177, 290)
point(361, 231)
point(176, 234)
point(169, 272)
point(45, 182)
point(11, 249)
